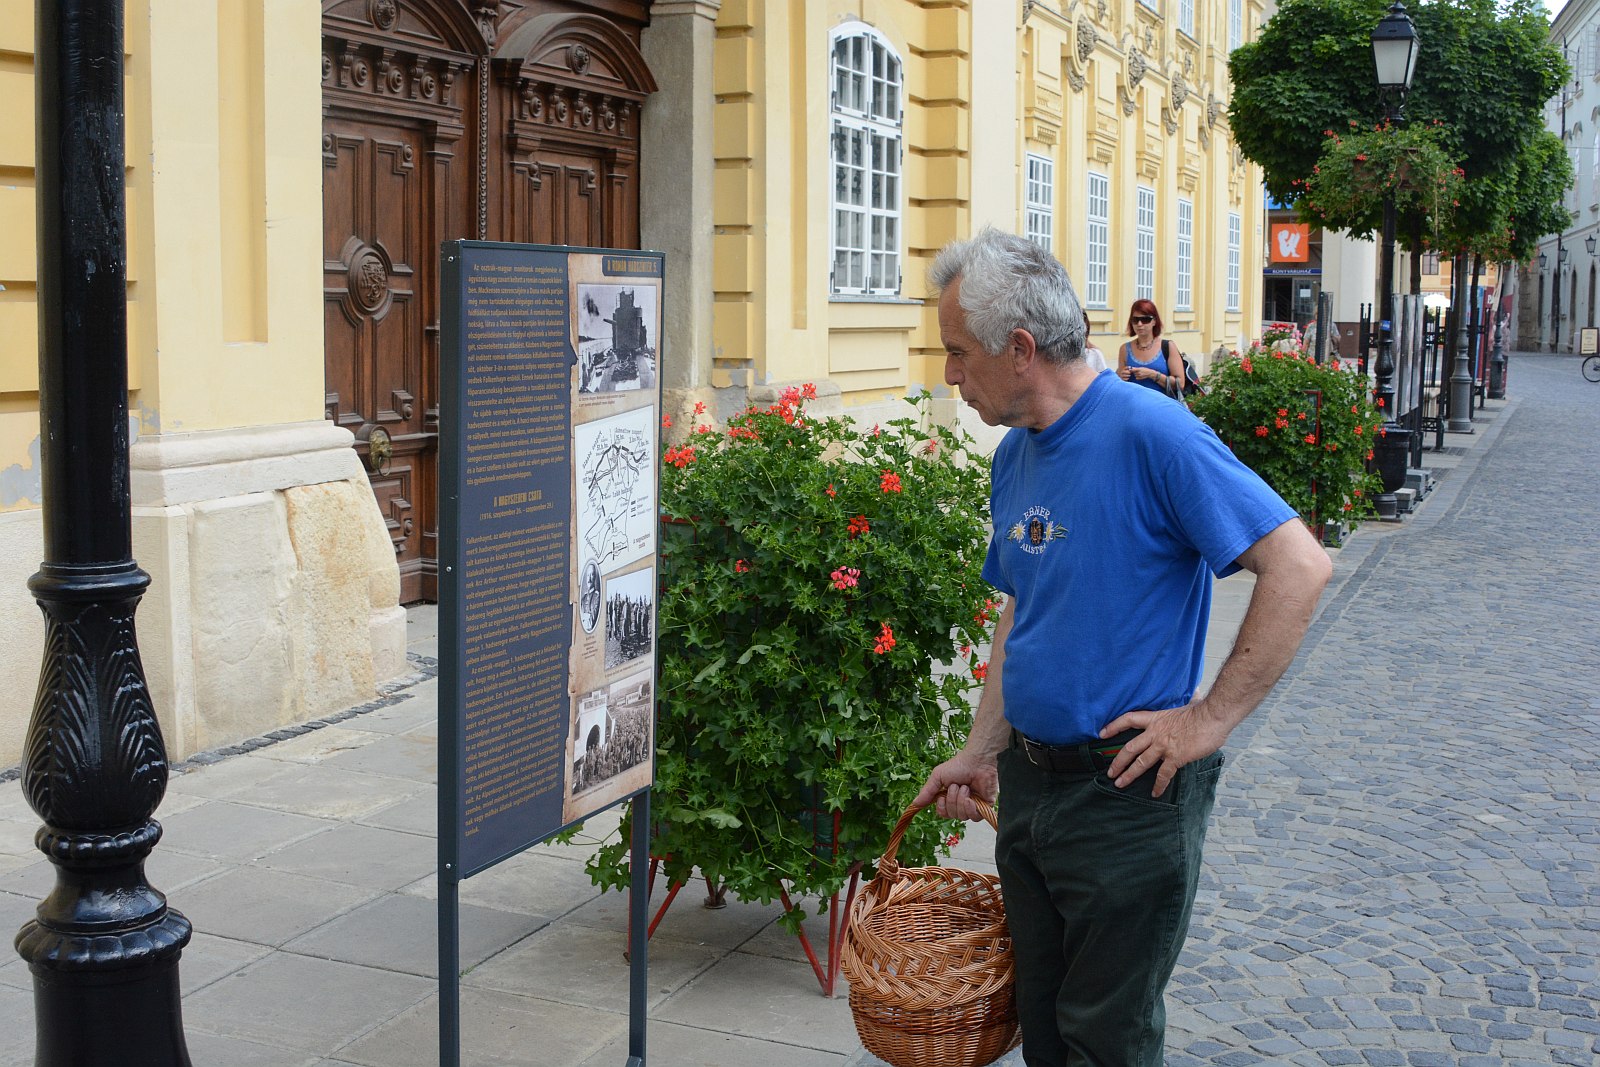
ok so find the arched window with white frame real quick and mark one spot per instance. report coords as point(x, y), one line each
point(867, 148)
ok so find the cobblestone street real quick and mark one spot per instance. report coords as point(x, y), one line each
point(1402, 869)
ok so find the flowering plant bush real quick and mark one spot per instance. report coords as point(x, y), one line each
point(814, 577)
point(1308, 430)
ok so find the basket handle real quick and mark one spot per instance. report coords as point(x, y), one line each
point(888, 866)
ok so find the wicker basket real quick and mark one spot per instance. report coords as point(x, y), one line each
point(928, 958)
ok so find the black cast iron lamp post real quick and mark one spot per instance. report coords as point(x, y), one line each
point(1394, 54)
point(103, 947)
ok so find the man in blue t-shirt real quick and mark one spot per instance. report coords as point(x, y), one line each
point(1112, 507)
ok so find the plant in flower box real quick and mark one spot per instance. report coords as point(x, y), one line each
point(821, 606)
point(1307, 429)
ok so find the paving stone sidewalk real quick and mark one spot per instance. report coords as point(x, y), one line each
point(1403, 865)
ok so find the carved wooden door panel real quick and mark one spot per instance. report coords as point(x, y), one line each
point(375, 320)
point(418, 152)
point(570, 89)
point(394, 187)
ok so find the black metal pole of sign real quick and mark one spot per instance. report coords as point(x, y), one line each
point(547, 460)
point(103, 948)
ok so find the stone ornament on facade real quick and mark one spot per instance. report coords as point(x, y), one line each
point(1133, 71)
point(1085, 39)
point(1137, 65)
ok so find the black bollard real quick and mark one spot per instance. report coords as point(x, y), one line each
point(103, 948)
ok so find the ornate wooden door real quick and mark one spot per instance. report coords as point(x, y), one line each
point(448, 119)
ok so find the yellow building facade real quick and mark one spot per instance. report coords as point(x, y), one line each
point(1098, 129)
point(273, 595)
point(800, 161)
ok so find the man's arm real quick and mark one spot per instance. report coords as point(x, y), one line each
point(971, 771)
point(1291, 571)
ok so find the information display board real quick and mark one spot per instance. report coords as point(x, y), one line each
point(549, 423)
point(550, 414)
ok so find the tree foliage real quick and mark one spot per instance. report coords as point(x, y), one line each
point(1484, 71)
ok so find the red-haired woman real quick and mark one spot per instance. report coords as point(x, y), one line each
point(1147, 359)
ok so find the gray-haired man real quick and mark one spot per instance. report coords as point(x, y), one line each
point(1112, 507)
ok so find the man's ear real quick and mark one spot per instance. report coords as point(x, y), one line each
point(1023, 348)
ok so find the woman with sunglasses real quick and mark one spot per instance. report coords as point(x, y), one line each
point(1147, 359)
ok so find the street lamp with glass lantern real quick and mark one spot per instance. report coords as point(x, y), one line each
point(1555, 295)
point(1588, 245)
point(1394, 55)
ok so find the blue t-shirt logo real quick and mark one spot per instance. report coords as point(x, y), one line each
point(1035, 530)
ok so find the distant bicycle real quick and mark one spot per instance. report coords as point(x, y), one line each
point(1591, 368)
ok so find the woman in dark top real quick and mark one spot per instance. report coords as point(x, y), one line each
point(1147, 359)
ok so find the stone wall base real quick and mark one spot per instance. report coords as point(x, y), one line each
point(274, 592)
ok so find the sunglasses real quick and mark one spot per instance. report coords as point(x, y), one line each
point(1142, 319)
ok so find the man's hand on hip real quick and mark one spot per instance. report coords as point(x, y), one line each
point(1171, 739)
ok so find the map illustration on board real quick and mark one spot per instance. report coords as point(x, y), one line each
point(616, 488)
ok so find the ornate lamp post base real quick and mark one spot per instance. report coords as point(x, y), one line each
point(1390, 457)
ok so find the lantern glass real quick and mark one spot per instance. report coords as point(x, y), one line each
point(1394, 49)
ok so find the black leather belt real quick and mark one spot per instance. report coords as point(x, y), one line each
point(1087, 758)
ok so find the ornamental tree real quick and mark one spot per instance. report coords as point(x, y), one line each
point(1483, 73)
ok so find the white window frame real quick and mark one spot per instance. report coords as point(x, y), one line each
point(866, 156)
point(1186, 16)
point(1235, 24)
point(1144, 254)
point(1235, 240)
point(1185, 279)
point(1097, 273)
point(1039, 200)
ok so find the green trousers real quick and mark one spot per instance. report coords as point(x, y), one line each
point(1099, 884)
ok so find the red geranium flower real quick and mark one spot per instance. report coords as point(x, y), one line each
point(885, 640)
